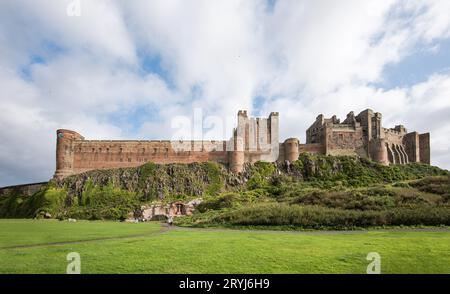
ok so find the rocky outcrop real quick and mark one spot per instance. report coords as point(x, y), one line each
point(156, 211)
point(154, 182)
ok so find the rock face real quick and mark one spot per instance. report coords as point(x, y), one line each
point(157, 211)
point(153, 181)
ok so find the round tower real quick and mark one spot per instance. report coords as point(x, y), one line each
point(378, 151)
point(291, 149)
point(236, 161)
point(64, 152)
point(236, 157)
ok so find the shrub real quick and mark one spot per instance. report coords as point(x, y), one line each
point(104, 203)
point(302, 216)
point(159, 217)
point(357, 172)
point(353, 200)
point(315, 217)
point(215, 181)
point(50, 200)
point(145, 171)
point(422, 215)
point(224, 201)
point(261, 174)
point(436, 185)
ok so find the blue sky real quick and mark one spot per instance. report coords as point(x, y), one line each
point(418, 66)
point(126, 69)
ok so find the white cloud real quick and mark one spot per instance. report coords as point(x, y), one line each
point(99, 30)
point(215, 45)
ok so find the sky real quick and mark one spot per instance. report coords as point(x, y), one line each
point(126, 69)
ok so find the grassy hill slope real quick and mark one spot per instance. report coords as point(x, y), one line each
point(315, 191)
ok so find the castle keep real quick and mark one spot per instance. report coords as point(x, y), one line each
point(365, 136)
point(253, 139)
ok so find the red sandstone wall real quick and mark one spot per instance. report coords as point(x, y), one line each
point(393, 137)
point(89, 155)
point(411, 142)
point(312, 148)
point(345, 142)
point(378, 151)
point(424, 148)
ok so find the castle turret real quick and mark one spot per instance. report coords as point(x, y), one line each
point(291, 149)
point(64, 152)
point(237, 157)
point(378, 151)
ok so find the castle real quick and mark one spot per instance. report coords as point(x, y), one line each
point(253, 139)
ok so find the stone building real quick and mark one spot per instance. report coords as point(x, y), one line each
point(365, 136)
point(252, 140)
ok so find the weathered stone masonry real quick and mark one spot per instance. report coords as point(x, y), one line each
point(253, 139)
point(364, 135)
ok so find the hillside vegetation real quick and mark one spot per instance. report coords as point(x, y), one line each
point(316, 191)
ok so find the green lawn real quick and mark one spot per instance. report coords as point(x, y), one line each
point(29, 232)
point(149, 250)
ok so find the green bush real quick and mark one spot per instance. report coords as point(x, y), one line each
point(316, 217)
point(261, 174)
point(357, 172)
point(215, 180)
point(437, 185)
point(50, 200)
point(159, 217)
point(301, 216)
point(420, 215)
point(353, 200)
point(224, 201)
point(104, 202)
point(145, 171)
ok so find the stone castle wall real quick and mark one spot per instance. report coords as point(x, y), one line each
point(424, 148)
point(27, 189)
point(254, 139)
point(83, 155)
point(363, 135)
